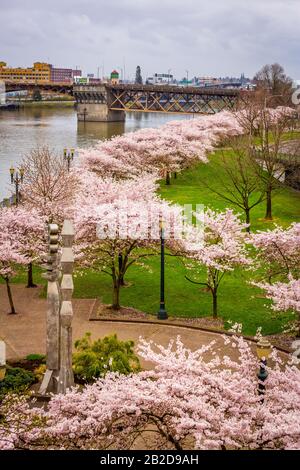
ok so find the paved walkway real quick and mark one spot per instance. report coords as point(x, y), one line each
point(24, 333)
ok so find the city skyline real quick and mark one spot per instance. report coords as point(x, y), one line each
point(205, 39)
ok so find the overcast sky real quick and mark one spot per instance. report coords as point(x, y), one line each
point(211, 37)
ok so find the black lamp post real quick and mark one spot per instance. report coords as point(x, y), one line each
point(2, 359)
point(69, 156)
point(263, 350)
point(16, 178)
point(162, 313)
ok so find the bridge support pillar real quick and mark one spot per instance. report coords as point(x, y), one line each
point(94, 102)
point(97, 112)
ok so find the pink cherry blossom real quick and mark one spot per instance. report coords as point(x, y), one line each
point(26, 229)
point(172, 147)
point(279, 249)
point(219, 245)
point(198, 399)
point(21, 242)
point(285, 296)
point(117, 224)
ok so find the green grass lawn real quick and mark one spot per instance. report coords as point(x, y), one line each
point(288, 135)
point(189, 188)
point(238, 301)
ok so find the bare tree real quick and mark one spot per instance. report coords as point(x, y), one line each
point(235, 178)
point(48, 185)
point(271, 168)
point(273, 79)
point(266, 129)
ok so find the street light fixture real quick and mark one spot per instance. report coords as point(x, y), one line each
point(263, 351)
point(69, 156)
point(16, 178)
point(162, 313)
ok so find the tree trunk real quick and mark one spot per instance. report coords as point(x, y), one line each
point(247, 212)
point(30, 282)
point(11, 302)
point(168, 179)
point(121, 276)
point(215, 304)
point(269, 205)
point(116, 296)
point(175, 175)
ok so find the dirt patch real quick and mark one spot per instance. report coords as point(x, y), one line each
point(125, 313)
point(105, 312)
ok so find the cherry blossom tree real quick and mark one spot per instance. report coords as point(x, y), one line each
point(218, 244)
point(10, 256)
point(278, 255)
point(26, 227)
point(285, 296)
point(21, 243)
point(199, 399)
point(168, 149)
point(278, 251)
point(117, 225)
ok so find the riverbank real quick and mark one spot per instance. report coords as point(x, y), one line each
point(48, 104)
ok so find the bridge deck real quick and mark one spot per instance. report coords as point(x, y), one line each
point(173, 89)
point(158, 98)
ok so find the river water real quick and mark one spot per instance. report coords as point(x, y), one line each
point(27, 128)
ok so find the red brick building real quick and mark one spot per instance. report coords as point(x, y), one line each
point(63, 75)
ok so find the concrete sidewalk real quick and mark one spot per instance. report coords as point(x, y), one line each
point(24, 333)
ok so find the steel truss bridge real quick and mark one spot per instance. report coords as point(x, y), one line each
point(158, 99)
point(143, 98)
point(11, 86)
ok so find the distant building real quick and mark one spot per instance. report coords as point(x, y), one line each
point(114, 77)
point(63, 75)
point(95, 81)
point(39, 73)
point(208, 81)
point(160, 78)
point(92, 80)
point(87, 81)
point(81, 80)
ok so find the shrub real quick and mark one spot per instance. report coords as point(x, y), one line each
point(16, 380)
point(29, 363)
point(94, 359)
point(36, 358)
point(39, 372)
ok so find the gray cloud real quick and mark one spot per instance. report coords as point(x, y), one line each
point(206, 37)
